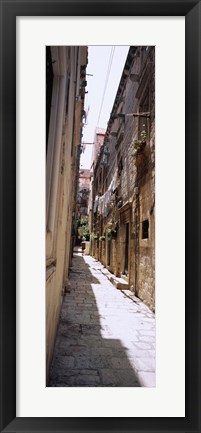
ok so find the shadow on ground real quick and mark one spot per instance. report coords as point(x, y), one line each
point(86, 352)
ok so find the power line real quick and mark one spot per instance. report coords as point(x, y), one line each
point(106, 80)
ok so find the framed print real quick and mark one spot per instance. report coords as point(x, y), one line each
point(28, 403)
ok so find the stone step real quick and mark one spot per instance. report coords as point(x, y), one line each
point(118, 282)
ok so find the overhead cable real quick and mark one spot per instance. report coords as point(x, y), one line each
point(106, 81)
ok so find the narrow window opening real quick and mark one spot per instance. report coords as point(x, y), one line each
point(108, 252)
point(126, 249)
point(145, 229)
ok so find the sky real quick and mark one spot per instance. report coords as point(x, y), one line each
point(99, 59)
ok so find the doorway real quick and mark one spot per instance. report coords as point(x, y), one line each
point(126, 261)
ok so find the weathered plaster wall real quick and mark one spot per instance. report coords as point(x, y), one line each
point(64, 139)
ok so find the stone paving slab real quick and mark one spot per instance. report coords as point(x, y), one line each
point(106, 337)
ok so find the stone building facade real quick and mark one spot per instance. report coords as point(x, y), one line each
point(65, 93)
point(97, 144)
point(83, 193)
point(123, 213)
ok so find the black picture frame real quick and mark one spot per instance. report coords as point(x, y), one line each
point(191, 9)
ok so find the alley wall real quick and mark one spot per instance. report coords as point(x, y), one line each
point(65, 81)
point(123, 210)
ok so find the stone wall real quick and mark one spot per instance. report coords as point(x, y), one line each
point(131, 253)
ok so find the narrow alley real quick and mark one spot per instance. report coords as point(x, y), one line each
point(106, 336)
point(100, 216)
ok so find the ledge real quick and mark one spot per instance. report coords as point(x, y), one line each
point(50, 261)
point(125, 206)
point(50, 272)
point(119, 283)
point(50, 267)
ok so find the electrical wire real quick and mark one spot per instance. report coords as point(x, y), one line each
point(106, 80)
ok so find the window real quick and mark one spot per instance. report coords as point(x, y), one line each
point(100, 181)
point(119, 163)
point(108, 252)
point(126, 266)
point(145, 229)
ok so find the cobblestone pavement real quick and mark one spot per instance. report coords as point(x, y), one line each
point(106, 336)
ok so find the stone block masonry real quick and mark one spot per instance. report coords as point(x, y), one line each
point(129, 179)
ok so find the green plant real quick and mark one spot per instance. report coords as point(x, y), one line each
point(86, 233)
point(139, 145)
point(112, 199)
point(111, 233)
point(143, 135)
point(118, 184)
point(93, 236)
point(78, 222)
point(102, 238)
